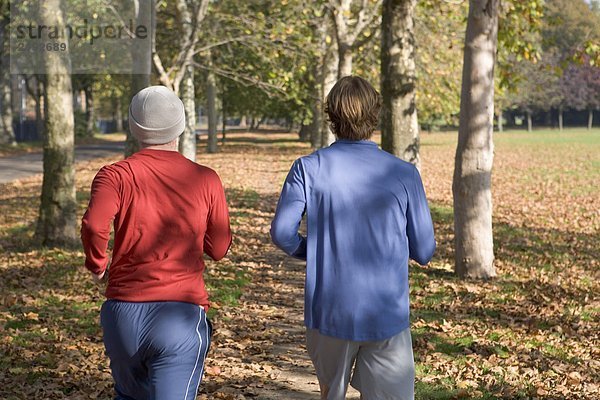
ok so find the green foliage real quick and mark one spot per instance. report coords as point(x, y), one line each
point(80, 123)
point(440, 30)
point(266, 53)
point(519, 25)
point(558, 76)
point(112, 89)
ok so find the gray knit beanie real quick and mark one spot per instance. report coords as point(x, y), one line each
point(156, 115)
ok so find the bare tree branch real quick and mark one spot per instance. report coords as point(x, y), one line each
point(244, 80)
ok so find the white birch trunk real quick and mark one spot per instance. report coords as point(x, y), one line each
point(329, 77)
point(560, 118)
point(187, 141)
point(345, 60)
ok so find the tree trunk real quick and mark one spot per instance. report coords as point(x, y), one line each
point(138, 82)
point(7, 133)
point(224, 122)
point(471, 186)
point(548, 118)
point(329, 75)
point(317, 122)
point(142, 63)
point(318, 71)
point(243, 123)
point(57, 219)
point(40, 98)
point(345, 60)
point(399, 127)
point(118, 114)
point(211, 94)
point(261, 121)
point(590, 118)
point(304, 133)
point(185, 87)
point(187, 141)
point(560, 118)
point(529, 122)
point(89, 111)
point(500, 122)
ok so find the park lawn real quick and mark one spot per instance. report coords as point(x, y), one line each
point(530, 333)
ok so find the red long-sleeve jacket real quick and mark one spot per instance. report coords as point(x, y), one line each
point(167, 212)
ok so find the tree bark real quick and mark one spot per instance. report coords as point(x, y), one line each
point(399, 127)
point(304, 133)
point(118, 114)
point(317, 122)
point(500, 122)
point(57, 218)
point(560, 118)
point(345, 60)
point(187, 141)
point(7, 133)
point(40, 99)
point(89, 111)
point(261, 121)
point(529, 122)
point(471, 186)
point(329, 76)
point(318, 72)
point(349, 24)
point(190, 22)
point(223, 122)
point(211, 94)
point(142, 63)
point(590, 118)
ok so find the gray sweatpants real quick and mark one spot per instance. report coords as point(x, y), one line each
point(383, 370)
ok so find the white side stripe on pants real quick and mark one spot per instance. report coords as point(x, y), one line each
point(197, 357)
point(205, 351)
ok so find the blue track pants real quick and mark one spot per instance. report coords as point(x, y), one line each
point(156, 349)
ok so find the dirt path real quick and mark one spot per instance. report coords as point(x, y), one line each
point(258, 350)
point(266, 358)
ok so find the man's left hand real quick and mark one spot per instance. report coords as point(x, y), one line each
point(100, 278)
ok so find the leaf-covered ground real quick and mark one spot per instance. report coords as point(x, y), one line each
point(531, 333)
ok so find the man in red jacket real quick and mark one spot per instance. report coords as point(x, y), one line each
point(167, 211)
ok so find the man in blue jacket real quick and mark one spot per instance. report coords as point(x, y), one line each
point(366, 216)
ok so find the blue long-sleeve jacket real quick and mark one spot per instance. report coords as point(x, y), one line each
point(366, 215)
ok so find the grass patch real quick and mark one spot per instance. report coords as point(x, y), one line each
point(225, 286)
point(550, 137)
point(435, 391)
point(442, 214)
